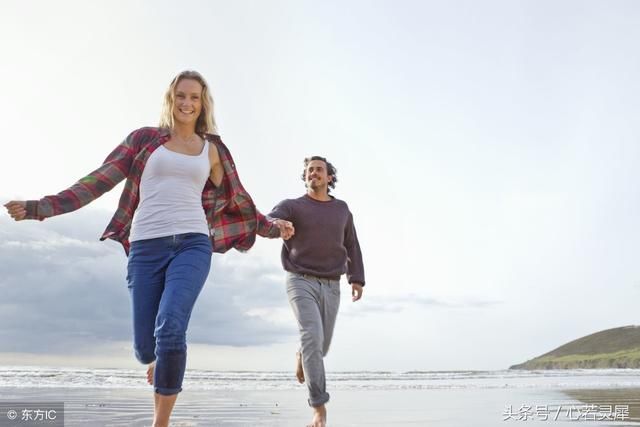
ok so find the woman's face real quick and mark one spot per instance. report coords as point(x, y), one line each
point(187, 104)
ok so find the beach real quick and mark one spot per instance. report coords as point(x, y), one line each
point(453, 399)
point(348, 408)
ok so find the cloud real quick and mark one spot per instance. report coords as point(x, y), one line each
point(242, 303)
point(398, 304)
point(64, 291)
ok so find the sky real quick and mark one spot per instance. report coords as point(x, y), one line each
point(487, 150)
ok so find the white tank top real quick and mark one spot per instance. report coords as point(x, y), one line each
point(171, 195)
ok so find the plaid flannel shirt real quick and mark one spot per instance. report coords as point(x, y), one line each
point(231, 215)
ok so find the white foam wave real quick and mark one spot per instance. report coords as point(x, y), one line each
point(48, 377)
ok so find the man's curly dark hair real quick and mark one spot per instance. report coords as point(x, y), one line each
point(331, 171)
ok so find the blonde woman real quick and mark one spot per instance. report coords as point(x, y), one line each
point(182, 200)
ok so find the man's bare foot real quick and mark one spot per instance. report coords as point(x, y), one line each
point(299, 370)
point(150, 369)
point(319, 417)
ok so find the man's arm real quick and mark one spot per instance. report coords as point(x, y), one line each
point(280, 221)
point(274, 227)
point(355, 266)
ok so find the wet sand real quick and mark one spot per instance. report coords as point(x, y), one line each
point(348, 408)
point(623, 397)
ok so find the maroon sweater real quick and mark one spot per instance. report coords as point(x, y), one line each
point(325, 243)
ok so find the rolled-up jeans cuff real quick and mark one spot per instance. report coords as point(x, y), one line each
point(168, 391)
point(319, 401)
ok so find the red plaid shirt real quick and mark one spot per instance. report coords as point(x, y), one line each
point(232, 217)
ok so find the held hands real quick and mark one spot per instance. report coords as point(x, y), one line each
point(286, 228)
point(17, 209)
point(356, 291)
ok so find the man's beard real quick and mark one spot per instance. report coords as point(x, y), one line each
point(314, 184)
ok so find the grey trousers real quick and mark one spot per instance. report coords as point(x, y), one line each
point(315, 302)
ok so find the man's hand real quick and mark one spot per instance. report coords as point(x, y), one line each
point(286, 228)
point(356, 291)
point(17, 209)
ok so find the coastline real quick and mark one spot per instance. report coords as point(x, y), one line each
point(347, 408)
point(121, 397)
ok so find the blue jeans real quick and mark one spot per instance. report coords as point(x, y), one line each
point(165, 276)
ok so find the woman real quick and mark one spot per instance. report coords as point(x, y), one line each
point(182, 200)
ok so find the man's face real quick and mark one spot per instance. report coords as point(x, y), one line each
point(316, 176)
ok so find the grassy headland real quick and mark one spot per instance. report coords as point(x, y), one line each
point(612, 348)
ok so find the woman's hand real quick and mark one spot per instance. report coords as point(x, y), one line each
point(17, 209)
point(286, 228)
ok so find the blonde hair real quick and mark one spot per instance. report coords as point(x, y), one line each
point(206, 123)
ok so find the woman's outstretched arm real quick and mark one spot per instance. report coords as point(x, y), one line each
point(114, 169)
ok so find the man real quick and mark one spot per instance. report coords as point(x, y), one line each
point(324, 247)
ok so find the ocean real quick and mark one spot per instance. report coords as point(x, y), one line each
point(21, 376)
point(121, 397)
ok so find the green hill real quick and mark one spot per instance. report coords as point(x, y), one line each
point(612, 348)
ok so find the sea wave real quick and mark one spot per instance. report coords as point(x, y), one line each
point(48, 377)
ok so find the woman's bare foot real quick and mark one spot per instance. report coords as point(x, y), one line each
point(150, 370)
point(319, 417)
point(299, 370)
